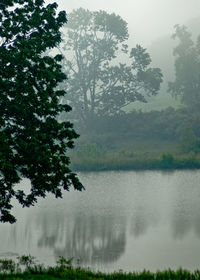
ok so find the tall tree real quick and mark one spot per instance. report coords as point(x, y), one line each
point(98, 84)
point(33, 143)
point(187, 68)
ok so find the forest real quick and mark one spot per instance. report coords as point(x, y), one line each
point(109, 84)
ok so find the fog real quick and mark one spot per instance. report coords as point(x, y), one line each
point(147, 19)
point(131, 112)
point(151, 24)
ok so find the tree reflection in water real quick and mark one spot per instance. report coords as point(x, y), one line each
point(112, 223)
point(91, 239)
point(186, 210)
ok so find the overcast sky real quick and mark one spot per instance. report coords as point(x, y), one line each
point(147, 19)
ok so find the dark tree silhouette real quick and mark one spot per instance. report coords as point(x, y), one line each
point(33, 143)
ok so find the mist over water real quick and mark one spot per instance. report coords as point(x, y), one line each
point(124, 220)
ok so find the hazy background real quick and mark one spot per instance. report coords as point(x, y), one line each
point(150, 24)
point(147, 19)
point(157, 126)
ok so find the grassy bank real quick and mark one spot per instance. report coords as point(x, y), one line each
point(132, 155)
point(27, 269)
point(79, 274)
point(115, 162)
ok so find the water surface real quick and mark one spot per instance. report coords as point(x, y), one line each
point(124, 220)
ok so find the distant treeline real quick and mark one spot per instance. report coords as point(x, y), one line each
point(169, 124)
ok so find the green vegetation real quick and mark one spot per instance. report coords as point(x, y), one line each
point(104, 75)
point(168, 139)
point(81, 274)
point(135, 155)
point(145, 138)
point(27, 269)
point(127, 161)
point(33, 143)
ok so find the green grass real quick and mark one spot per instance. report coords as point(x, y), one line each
point(27, 269)
point(133, 155)
point(165, 161)
point(108, 145)
point(81, 274)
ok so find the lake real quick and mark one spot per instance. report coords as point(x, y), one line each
point(123, 220)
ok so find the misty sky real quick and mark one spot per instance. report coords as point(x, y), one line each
point(147, 19)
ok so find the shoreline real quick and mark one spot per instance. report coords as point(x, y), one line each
point(70, 273)
point(164, 163)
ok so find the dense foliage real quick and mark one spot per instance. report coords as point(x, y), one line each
point(169, 124)
point(33, 143)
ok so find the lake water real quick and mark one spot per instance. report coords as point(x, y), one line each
point(124, 220)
